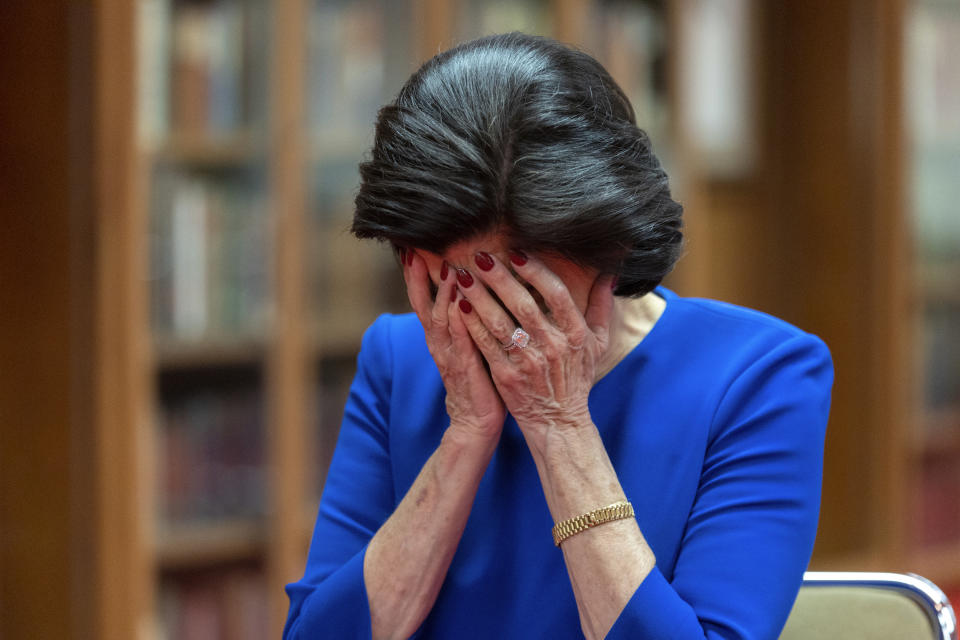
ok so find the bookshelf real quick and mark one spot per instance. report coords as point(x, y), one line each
point(249, 142)
point(203, 135)
point(932, 97)
point(358, 55)
point(216, 302)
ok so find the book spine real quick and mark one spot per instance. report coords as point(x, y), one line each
point(189, 248)
point(153, 24)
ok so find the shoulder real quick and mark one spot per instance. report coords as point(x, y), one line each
point(708, 315)
point(392, 333)
point(745, 360)
point(736, 333)
point(394, 348)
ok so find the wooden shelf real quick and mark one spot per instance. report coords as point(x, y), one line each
point(335, 339)
point(204, 544)
point(337, 144)
point(210, 149)
point(171, 354)
point(941, 434)
point(939, 282)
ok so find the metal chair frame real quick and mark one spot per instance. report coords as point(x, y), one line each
point(925, 593)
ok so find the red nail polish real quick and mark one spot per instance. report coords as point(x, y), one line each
point(402, 253)
point(465, 306)
point(410, 255)
point(444, 270)
point(464, 278)
point(518, 258)
point(484, 261)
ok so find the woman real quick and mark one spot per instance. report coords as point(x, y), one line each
point(547, 393)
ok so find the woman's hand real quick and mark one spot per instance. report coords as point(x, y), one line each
point(545, 385)
point(473, 404)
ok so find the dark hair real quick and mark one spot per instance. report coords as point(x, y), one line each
point(522, 135)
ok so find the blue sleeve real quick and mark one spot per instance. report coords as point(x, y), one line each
point(357, 498)
point(751, 529)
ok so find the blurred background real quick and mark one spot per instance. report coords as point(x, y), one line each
point(181, 304)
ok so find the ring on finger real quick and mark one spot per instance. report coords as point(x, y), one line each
point(519, 340)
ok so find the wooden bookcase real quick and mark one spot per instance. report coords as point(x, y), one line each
point(252, 118)
point(216, 301)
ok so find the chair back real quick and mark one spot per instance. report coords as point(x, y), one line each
point(869, 606)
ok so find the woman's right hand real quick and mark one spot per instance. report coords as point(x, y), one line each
point(475, 408)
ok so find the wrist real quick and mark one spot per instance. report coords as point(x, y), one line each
point(544, 433)
point(469, 439)
point(572, 443)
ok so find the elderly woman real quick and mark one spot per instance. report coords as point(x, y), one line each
point(553, 444)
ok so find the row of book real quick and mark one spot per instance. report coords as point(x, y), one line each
point(334, 378)
point(201, 65)
point(933, 101)
point(203, 69)
point(230, 604)
point(347, 66)
point(210, 258)
point(941, 327)
point(211, 445)
point(933, 84)
point(938, 496)
point(212, 453)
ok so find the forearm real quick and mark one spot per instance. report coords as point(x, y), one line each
point(407, 559)
point(605, 563)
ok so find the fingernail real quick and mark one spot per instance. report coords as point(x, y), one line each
point(444, 270)
point(402, 252)
point(518, 258)
point(464, 278)
point(483, 260)
point(613, 283)
point(465, 306)
point(410, 257)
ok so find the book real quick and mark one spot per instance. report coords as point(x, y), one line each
point(208, 83)
point(212, 456)
point(211, 248)
point(225, 604)
point(153, 71)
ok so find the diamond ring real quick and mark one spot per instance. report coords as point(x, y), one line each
point(519, 340)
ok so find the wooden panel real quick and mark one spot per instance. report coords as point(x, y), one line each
point(571, 20)
point(36, 345)
point(123, 455)
point(815, 235)
point(289, 373)
point(835, 209)
point(434, 21)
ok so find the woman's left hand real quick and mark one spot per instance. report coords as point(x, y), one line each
point(546, 384)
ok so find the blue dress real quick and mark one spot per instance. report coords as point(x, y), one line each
point(715, 425)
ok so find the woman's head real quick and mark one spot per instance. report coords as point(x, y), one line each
point(522, 137)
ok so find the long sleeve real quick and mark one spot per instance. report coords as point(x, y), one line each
point(750, 533)
point(715, 424)
point(358, 497)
